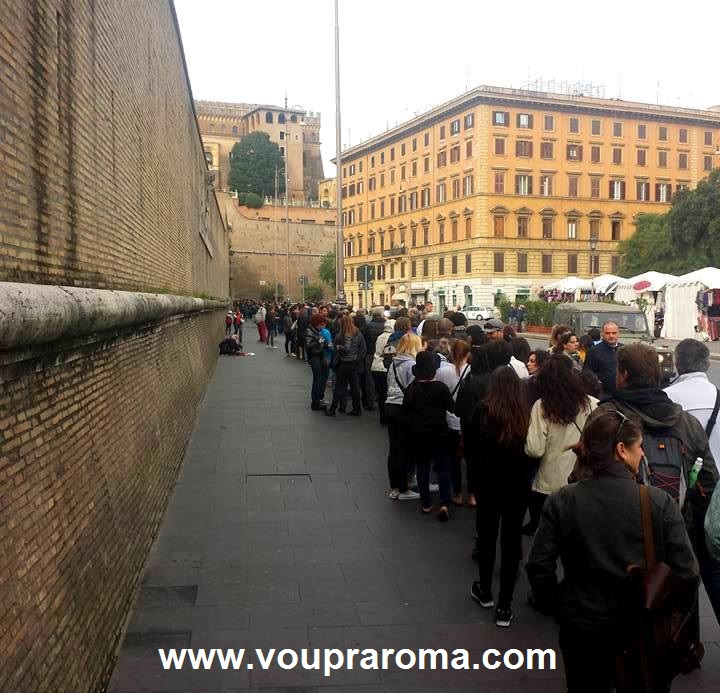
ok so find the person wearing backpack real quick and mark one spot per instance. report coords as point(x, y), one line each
point(698, 396)
point(677, 451)
point(595, 528)
point(378, 369)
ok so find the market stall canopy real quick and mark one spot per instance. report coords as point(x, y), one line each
point(569, 285)
point(709, 277)
point(647, 281)
point(681, 307)
point(605, 283)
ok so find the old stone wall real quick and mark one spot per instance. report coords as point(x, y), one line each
point(103, 171)
point(111, 245)
point(253, 244)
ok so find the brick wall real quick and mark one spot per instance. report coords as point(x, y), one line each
point(252, 242)
point(103, 186)
point(89, 452)
point(103, 167)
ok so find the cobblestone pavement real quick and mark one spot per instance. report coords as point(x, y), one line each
point(279, 535)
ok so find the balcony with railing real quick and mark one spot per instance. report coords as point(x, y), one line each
point(395, 251)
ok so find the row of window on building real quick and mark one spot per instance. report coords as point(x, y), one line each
point(574, 153)
point(525, 121)
point(502, 228)
point(549, 263)
point(617, 188)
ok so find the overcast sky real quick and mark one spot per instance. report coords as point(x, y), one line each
point(399, 57)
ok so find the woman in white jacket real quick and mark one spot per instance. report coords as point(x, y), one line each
point(378, 370)
point(556, 423)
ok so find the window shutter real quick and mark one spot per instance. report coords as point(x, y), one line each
point(657, 192)
point(610, 190)
point(506, 118)
point(530, 121)
point(517, 185)
point(567, 151)
point(517, 120)
point(580, 153)
point(530, 180)
point(530, 148)
point(622, 190)
point(669, 192)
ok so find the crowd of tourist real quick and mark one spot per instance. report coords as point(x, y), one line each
point(547, 442)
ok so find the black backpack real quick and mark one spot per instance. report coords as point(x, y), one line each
point(665, 469)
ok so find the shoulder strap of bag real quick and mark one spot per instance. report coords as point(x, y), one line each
point(714, 415)
point(462, 375)
point(397, 380)
point(648, 537)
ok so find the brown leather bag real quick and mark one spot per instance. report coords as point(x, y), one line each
point(663, 644)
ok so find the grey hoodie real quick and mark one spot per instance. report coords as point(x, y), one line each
point(403, 365)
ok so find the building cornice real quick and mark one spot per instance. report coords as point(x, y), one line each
point(507, 97)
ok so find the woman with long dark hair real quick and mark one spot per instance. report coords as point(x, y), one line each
point(556, 421)
point(568, 344)
point(505, 472)
point(349, 350)
point(595, 528)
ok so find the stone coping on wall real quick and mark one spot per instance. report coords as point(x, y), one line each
point(34, 314)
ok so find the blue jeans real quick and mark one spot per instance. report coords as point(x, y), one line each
point(320, 375)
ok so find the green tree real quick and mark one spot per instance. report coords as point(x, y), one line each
point(694, 222)
point(252, 167)
point(314, 292)
point(326, 271)
point(649, 248)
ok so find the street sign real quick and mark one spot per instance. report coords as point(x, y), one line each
point(366, 273)
point(303, 280)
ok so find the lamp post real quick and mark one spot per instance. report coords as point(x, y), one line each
point(287, 192)
point(339, 241)
point(593, 248)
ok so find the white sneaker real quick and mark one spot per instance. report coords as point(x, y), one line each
point(434, 488)
point(408, 495)
point(394, 494)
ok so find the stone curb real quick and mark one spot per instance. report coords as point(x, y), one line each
point(36, 313)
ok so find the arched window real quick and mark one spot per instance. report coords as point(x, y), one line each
point(222, 127)
point(281, 118)
point(269, 117)
point(293, 119)
point(211, 127)
point(209, 157)
point(234, 130)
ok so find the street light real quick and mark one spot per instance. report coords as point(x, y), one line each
point(287, 199)
point(593, 248)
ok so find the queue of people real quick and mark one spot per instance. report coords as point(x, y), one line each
point(556, 443)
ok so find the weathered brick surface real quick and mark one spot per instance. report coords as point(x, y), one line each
point(89, 451)
point(102, 173)
point(102, 181)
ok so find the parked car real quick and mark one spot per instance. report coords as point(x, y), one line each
point(631, 322)
point(477, 313)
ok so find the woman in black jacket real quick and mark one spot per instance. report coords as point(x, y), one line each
point(505, 472)
point(349, 351)
point(595, 528)
point(425, 404)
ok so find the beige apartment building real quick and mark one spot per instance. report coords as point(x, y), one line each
point(296, 132)
point(503, 189)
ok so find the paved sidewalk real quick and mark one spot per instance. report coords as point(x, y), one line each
point(279, 535)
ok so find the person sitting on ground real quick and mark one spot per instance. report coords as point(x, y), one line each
point(594, 600)
point(230, 346)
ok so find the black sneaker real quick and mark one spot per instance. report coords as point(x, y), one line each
point(485, 599)
point(503, 617)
